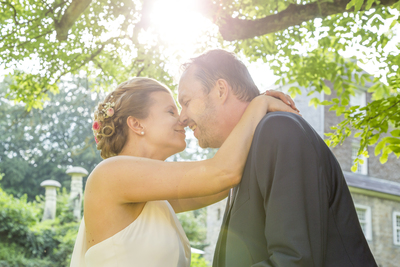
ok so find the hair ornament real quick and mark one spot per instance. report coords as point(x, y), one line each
point(106, 112)
point(108, 109)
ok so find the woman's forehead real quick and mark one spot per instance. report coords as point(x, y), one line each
point(163, 99)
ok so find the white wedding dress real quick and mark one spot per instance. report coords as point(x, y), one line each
point(154, 239)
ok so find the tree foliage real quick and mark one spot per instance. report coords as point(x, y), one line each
point(303, 41)
point(308, 51)
point(66, 37)
point(42, 144)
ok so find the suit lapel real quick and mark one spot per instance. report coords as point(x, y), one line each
point(232, 200)
point(219, 254)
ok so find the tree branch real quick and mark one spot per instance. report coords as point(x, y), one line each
point(14, 10)
point(102, 69)
point(236, 29)
point(73, 11)
point(140, 71)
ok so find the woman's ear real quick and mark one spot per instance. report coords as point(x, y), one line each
point(135, 125)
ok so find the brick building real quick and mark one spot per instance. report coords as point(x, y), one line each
point(375, 188)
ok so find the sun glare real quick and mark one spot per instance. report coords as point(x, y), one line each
point(178, 23)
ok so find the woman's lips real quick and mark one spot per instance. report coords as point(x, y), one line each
point(181, 131)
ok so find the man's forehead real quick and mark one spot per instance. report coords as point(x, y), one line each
point(185, 85)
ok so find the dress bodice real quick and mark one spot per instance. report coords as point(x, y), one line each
point(155, 238)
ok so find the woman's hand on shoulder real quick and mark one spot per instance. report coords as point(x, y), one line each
point(279, 101)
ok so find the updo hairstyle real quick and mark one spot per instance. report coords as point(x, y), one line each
point(130, 98)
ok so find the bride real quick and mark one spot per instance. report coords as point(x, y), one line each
point(132, 196)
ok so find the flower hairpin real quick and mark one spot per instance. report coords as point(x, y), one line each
point(106, 112)
point(108, 109)
point(96, 129)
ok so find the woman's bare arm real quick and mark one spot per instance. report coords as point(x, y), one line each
point(182, 205)
point(131, 179)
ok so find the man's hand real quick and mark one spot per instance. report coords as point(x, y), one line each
point(284, 97)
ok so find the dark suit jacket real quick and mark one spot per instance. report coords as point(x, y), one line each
point(293, 206)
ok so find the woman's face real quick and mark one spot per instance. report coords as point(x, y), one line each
point(162, 128)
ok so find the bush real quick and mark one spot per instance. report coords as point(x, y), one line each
point(194, 224)
point(28, 242)
point(198, 261)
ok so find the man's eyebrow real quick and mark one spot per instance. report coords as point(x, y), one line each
point(181, 98)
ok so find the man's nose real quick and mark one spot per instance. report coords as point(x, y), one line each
point(183, 119)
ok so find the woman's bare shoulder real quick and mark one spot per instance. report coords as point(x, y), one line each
point(108, 170)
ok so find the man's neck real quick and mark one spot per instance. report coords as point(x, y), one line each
point(234, 113)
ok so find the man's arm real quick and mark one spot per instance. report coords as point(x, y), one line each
point(288, 172)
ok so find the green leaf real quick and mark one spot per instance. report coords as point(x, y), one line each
point(293, 91)
point(395, 133)
point(369, 4)
point(384, 158)
point(327, 90)
point(392, 140)
point(394, 148)
point(314, 101)
point(356, 3)
point(394, 22)
point(350, 4)
point(326, 103)
point(354, 167)
point(379, 147)
point(385, 126)
point(373, 139)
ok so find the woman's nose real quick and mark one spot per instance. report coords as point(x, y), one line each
point(183, 119)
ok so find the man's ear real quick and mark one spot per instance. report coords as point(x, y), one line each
point(223, 90)
point(135, 125)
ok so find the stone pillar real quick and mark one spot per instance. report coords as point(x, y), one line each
point(51, 199)
point(77, 174)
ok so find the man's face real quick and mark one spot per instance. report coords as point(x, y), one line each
point(199, 111)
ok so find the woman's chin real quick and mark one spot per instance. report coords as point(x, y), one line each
point(180, 148)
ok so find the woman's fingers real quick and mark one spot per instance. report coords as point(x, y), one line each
point(291, 109)
point(292, 104)
point(282, 96)
point(275, 104)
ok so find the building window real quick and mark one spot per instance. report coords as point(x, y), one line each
point(358, 99)
point(364, 216)
point(361, 168)
point(396, 228)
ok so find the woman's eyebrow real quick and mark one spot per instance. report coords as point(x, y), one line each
point(171, 106)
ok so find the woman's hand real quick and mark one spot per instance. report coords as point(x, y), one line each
point(276, 104)
point(284, 97)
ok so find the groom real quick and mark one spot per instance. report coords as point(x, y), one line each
point(293, 206)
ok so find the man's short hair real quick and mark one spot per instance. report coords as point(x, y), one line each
point(220, 64)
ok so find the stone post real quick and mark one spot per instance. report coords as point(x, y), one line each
point(51, 199)
point(77, 174)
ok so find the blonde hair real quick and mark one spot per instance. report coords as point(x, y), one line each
point(130, 98)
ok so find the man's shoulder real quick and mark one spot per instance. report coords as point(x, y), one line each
point(276, 122)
